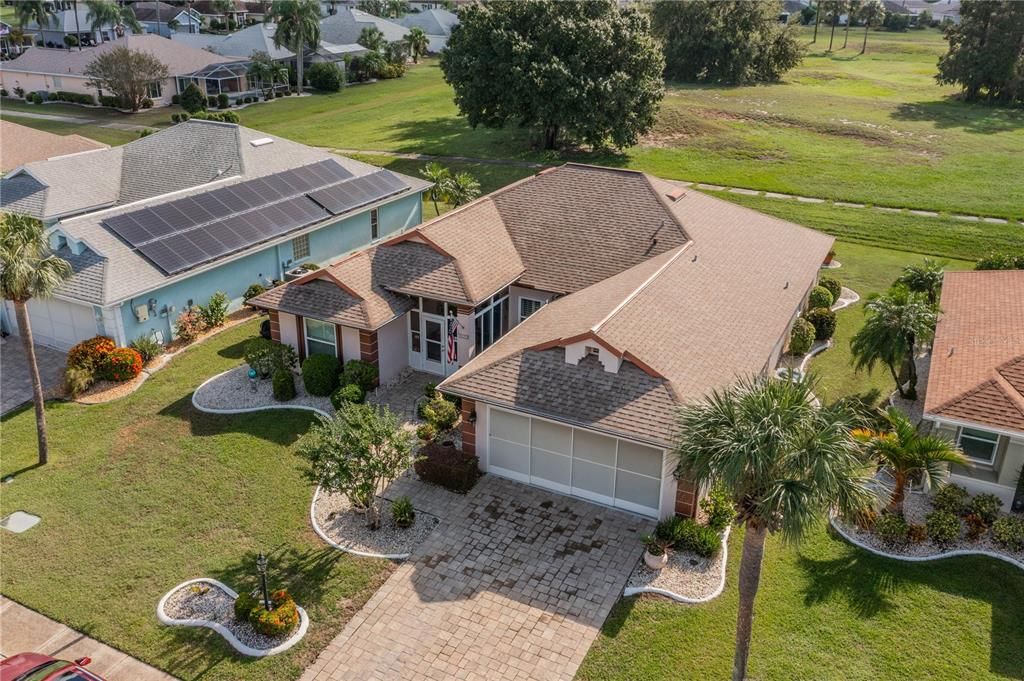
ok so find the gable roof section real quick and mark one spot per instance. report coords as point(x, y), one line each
point(345, 27)
point(156, 11)
point(435, 22)
point(243, 43)
point(977, 364)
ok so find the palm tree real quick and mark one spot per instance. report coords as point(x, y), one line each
point(895, 323)
point(785, 462)
point(460, 189)
point(395, 8)
point(439, 175)
point(371, 38)
point(263, 69)
point(871, 12)
point(817, 20)
point(31, 10)
point(104, 12)
point(417, 42)
point(29, 270)
point(925, 278)
point(832, 11)
point(908, 454)
point(298, 27)
point(851, 11)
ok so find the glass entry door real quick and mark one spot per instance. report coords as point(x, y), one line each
point(433, 344)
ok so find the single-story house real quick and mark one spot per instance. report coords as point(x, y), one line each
point(345, 27)
point(975, 391)
point(214, 14)
point(159, 224)
point(260, 38)
point(13, 41)
point(573, 312)
point(941, 10)
point(66, 22)
point(163, 19)
point(20, 144)
point(436, 23)
point(44, 70)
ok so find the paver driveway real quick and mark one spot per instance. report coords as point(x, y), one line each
point(514, 584)
point(16, 386)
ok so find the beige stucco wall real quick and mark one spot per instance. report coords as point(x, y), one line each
point(999, 479)
point(33, 82)
point(517, 292)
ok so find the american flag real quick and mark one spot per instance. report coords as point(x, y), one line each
point(453, 347)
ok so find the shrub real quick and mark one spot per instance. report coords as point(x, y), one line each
point(951, 499)
point(267, 356)
point(993, 261)
point(820, 297)
point(917, 533)
point(78, 379)
point(189, 325)
point(211, 101)
point(360, 373)
point(801, 338)
point(892, 529)
point(429, 390)
point(147, 347)
point(192, 99)
point(833, 286)
point(447, 466)
point(1008, 531)
point(440, 413)
point(699, 539)
point(670, 530)
point(175, 118)
point(426, 432)
point(283, 384)
point(222, 101)
point(282, 618)
point(349, 392)
point(719, 508)
point(402, 512)
point(253, 291)
point(37, 98)
point(943, 527)
point(176, 99)
point(987, 506)
point(320, 375)
point(824, 322)
point(3, 92)
point(122, 364)
point(110, 101)
point(976, 526)
point(325, 76)
point(215, 311)
point(147, 103)
point(19, 91)
point(244, 604)
point(90, 354)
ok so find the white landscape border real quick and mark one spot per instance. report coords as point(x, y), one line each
point(224, 631)
point(340, 547)
point(634, 590)
point(921, 559)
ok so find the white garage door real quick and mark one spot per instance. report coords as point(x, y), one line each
point(604, 469)
point(59, 324)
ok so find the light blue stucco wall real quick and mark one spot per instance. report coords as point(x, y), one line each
point(326, 245)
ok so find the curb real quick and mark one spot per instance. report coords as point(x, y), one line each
point(922, 559)
point(224, 631)
point(634, 590)
point(246, 410)
point(334, 544)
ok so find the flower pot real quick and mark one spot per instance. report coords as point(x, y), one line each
point(655, 562)
point(828, 258)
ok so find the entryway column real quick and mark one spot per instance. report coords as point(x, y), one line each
point(468, 426)
point(368, 350)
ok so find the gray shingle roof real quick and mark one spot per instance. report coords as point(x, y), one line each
point(433, 21)
point(23, 194)
point(86, 282)
point(345, 27)
point(243, 43)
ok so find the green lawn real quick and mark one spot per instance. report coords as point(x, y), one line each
point(145, 492)
point(872, 129)
point(110, 136)
point(827, 611)
point(154, 118)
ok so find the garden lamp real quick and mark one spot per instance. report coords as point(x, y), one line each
point(261, 567)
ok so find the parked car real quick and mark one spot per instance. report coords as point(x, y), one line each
point(36, 667)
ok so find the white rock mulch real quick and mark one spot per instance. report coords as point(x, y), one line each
point(208, 603)
point(231, 392)
point(916, 507)
point(335, 521)
point(847, 297)
point(687, 578)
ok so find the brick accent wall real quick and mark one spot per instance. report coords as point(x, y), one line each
point(368, 351)
point(467, 427)
point(686, 498)
point(275, 326)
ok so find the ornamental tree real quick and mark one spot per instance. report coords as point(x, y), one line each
point(127, 73)
point(985, 54)
point(584, 71)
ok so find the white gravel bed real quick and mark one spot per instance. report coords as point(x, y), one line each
point(915, 507)
point(231, 391)
point(347, 528)
point(687, 575)
point(207, 601)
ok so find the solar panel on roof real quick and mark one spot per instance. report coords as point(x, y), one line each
point(349, 195)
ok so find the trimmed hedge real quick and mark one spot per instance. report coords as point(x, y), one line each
point(448, 467)
point(90, 354)
point(833, 286)
point(824, 322)
point(801, 338)
point(892, 529)
point(283, 384)
point(320, 374)
point(820, 297)
point(346, 394)
point(952, 499)
point(943, 527)
point(986, 506)
point(122, 364)
point(1008, 531)
point(360, 373)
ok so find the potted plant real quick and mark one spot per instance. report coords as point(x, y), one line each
point(828, 258)
point(655, 552)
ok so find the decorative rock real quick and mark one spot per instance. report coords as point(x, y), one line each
point(687, 578)
point(334, 520)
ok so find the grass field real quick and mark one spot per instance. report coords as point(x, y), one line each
point(145, 492)
point(111, 136)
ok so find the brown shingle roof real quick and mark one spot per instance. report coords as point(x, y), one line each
point(20, 144)
point(977, 365)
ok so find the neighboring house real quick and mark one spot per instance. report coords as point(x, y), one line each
point(791, 9)
point(20, 144)
point(63, 23)
point(260, 38)
point(13, 41)
point(44, 70)
point(345, 27)
point(162, 223)
point(941, 10)
point(436, 23)
point(975, 391)
point(213, 15)
point(573, 312)
point(159, 17)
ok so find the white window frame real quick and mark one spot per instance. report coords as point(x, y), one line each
point(300, 239)
point(522, 299)
point(496, 301)
point(305, 333)
point(155, 90)
point(995, 444)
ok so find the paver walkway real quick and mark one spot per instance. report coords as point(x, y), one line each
point(514, 584)
point(15, 379)
point(23, 630)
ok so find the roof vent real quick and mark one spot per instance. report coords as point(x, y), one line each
point(262, 141)
point(676, 193)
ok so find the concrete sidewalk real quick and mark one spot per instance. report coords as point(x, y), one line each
point(26, 631)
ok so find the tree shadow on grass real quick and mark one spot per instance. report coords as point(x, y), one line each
point(280, 426)
point(949, 113)
point(236, 351)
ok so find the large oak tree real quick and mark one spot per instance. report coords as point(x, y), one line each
point(986, 51)
point(587, 72)
point(127, 73)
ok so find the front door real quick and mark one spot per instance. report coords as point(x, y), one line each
point(433, 344)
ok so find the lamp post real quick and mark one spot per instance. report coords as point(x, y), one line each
point(261, 567)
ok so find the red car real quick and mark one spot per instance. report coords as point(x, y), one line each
point(36, 667)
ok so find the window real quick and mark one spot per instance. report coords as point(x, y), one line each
point(155, 90)
point(979, 445)
point(527, 306)
point(491, 321)
point(57, 82)
point(320, 338)
point(300, 247)
point(374, 225)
